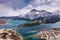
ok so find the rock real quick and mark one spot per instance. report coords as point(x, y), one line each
point(32, 23)
point(9, 34)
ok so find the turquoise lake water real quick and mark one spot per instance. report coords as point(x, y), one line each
point(25, 31)
point(15, 23)
point(12, 23)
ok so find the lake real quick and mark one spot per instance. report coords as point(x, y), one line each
point(27, 31)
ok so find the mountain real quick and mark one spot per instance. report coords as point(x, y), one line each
point(40, 17)
point(38, 14)
point(57, 12)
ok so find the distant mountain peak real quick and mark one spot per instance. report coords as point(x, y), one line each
point(33, 10)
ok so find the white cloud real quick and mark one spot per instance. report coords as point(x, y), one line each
point(7, 11)
point(56, 3)
point(53, 6)
point(41, 2)
point(25, 9)
point(49, 5)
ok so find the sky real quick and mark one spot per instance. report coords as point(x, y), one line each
point(21, 7)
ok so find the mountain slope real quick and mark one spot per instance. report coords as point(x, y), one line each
point(38, 14)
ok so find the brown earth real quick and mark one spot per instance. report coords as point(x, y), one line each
point(3, 21)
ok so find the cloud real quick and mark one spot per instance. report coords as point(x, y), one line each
point(12, 7)
point(8, 11)
point(41, 2)
point(15, 4)
point(49, 5)
point(56, 3)
point(18, 7)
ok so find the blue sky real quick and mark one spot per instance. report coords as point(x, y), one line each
point(20, 7)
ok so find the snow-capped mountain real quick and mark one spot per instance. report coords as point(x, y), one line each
point(57, 12)
point(37, 14)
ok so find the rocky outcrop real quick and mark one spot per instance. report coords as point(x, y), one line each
point(9, 34)
point(32, 23)
point(48, 34)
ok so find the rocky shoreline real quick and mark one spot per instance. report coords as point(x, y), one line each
point(48, 34)
point(9, 34)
